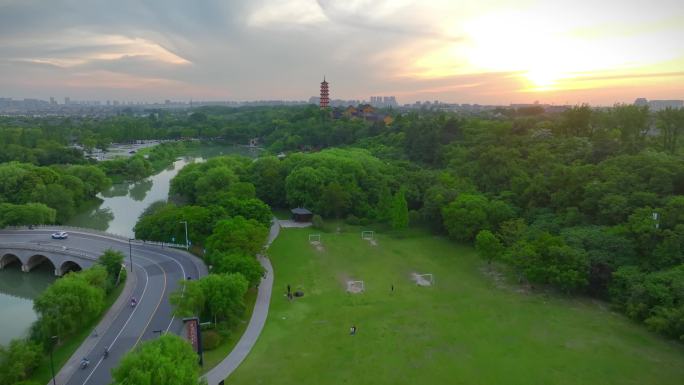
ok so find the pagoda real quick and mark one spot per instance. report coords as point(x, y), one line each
point(325, 101)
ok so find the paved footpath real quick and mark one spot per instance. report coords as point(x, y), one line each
point(256, 323)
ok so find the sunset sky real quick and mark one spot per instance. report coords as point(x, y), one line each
point(489, 52)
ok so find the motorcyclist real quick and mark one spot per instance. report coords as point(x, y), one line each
point(133, 301)
point(106, 351)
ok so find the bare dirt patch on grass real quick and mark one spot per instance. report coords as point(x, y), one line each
point(420, 280)
point(372, 242)
point(318, 245)
point(501, 282)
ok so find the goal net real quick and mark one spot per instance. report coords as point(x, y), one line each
point(355, 286)
point(314, 238)
point(424, 279)
point(368, 235)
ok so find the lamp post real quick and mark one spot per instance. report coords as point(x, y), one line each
point(52, 364)
point(187, 245)
point(130, 253)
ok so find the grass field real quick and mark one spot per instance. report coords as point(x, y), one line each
point(464, 330)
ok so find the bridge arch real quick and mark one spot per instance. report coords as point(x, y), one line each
point(35, 260)
point(9, 258)
point(32, 255)
point(68, 266)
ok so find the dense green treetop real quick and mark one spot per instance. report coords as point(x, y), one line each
point(167, 360)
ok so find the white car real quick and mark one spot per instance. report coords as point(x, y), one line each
point(60, 235)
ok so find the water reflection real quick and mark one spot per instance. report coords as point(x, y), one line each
point(93, 216)
point(17, 291)
point(122, 204)
point(126, 208)
point(116, 210)
point(116, 190)
point(140, 189)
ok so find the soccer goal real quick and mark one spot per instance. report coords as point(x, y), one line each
point(355, 286)
point(368, 235)
point(424, 279)
point(314, 238)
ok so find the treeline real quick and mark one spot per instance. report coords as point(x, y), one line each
point(46, 141)
point(37, 195)
point(32, 195)
point(144, 163)
point(227, 223)
point(64, 309)
point(588, 201)
point(594, 211)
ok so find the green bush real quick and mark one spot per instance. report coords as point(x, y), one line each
point(123, 274)
point(317, 222)
point(210, 339)
point(18, 360)
point(352, 220)
point(415, 217)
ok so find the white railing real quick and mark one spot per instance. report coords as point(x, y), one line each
point(99, 232)
point(52, 249)
point(62, 227)
point(155, 243)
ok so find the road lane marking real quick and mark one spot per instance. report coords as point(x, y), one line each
point(173, 316)
point(99, 238)
point(161, 298)
point(122, 328)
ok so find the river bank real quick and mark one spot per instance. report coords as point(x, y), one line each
point(118, 208)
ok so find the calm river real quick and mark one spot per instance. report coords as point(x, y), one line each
point(116, 211)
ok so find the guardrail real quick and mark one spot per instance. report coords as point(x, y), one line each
point(74, 228)
point(99, 232)
point(52, 249)
point(155, 243)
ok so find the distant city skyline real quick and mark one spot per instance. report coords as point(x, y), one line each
point(495, 52)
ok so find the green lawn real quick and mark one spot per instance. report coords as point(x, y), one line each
point(463, 330)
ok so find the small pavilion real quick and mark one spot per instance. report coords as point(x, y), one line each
point(301, 214)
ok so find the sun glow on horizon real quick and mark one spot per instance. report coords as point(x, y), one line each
point(550, 54)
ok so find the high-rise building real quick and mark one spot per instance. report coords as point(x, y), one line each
point(67, 100)
point(383, 101)
point(657, 105)
point(325, 100)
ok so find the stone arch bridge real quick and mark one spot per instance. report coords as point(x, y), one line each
point(29, 255)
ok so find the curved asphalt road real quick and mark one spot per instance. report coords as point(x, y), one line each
point(158, 271)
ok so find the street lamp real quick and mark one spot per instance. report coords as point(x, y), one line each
point(52, 364)
point(130, 253)
point(187, 245)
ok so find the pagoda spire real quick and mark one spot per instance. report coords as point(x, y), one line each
point(325, 100)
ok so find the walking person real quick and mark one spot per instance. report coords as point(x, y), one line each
point(352, 330)
point(289, 292)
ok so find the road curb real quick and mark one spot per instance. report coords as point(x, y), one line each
point(73, 363)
